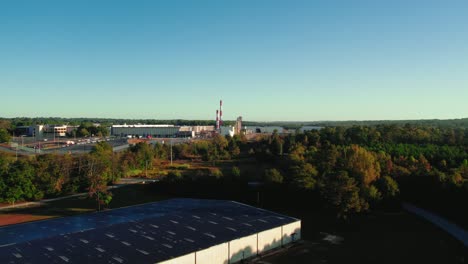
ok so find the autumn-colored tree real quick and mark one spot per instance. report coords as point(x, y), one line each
point(97, 175)
point(296, 153)
point(342, 193)
point(53, 173)
point(362, 164)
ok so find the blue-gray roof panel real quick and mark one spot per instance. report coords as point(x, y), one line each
point(139, 234)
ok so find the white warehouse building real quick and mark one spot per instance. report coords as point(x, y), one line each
point(183, 231)
point(160, 131)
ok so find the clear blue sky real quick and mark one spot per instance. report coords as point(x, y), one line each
point(268, 60)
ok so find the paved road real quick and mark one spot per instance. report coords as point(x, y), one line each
point(456, 231)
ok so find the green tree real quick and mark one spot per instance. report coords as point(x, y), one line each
point(304, 176)
point(82, 132)
point(276, 143)
point(327, 157)
point(388, 186)
point(372, 194)
point(19, 183)
point(217, 149)
point(174, 176)
point(160, 151)
point(236, 173)
point(273, 176)
point(144, 155)
point(463, 170)
point(4, 135)
point(342, 194)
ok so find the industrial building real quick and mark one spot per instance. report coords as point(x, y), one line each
point(149, 131)
point(170, 231)
point(238, 126)
point(39, 130)
point(160, 131)
point(60, 131)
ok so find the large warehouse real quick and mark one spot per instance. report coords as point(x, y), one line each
point(145, 130)
point(170, 231)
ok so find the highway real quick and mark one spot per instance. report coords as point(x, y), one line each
point(82, 145)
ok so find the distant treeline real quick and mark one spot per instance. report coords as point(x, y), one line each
point(12, 123)
point(454, 123)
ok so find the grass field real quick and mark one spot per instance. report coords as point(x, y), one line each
point(124, 196)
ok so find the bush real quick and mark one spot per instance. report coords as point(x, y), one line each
point(235, 172)
point(174, 176)
point(388, 187)
point(273, 176)
point(179, 166)
point(216, 173)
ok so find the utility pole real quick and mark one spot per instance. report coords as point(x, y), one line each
point(171, 151)
point(146, 169)
point(55, 143)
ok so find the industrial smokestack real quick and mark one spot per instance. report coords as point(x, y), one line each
point(220, 113)
point(217, 119)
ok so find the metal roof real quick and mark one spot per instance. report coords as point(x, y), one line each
point(145, 233)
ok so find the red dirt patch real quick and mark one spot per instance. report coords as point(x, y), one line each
point(9, 219)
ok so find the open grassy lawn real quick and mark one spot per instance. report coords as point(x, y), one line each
point(124, 196)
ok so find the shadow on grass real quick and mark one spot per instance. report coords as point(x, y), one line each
point(124, 196)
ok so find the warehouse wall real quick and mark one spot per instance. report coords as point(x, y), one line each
point(163, 131)
point(214, 254)
point(289, 230)
point(269, 239)
point(242, 248)
point(185, 259)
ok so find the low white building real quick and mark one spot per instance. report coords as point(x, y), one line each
point(145, 130)
point(227, 130)
point(172, 231)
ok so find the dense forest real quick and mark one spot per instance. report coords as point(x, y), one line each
point(453, 123)
point(346, 170)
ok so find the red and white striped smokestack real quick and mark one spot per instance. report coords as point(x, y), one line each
point(217, 119)
point(220, 112)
